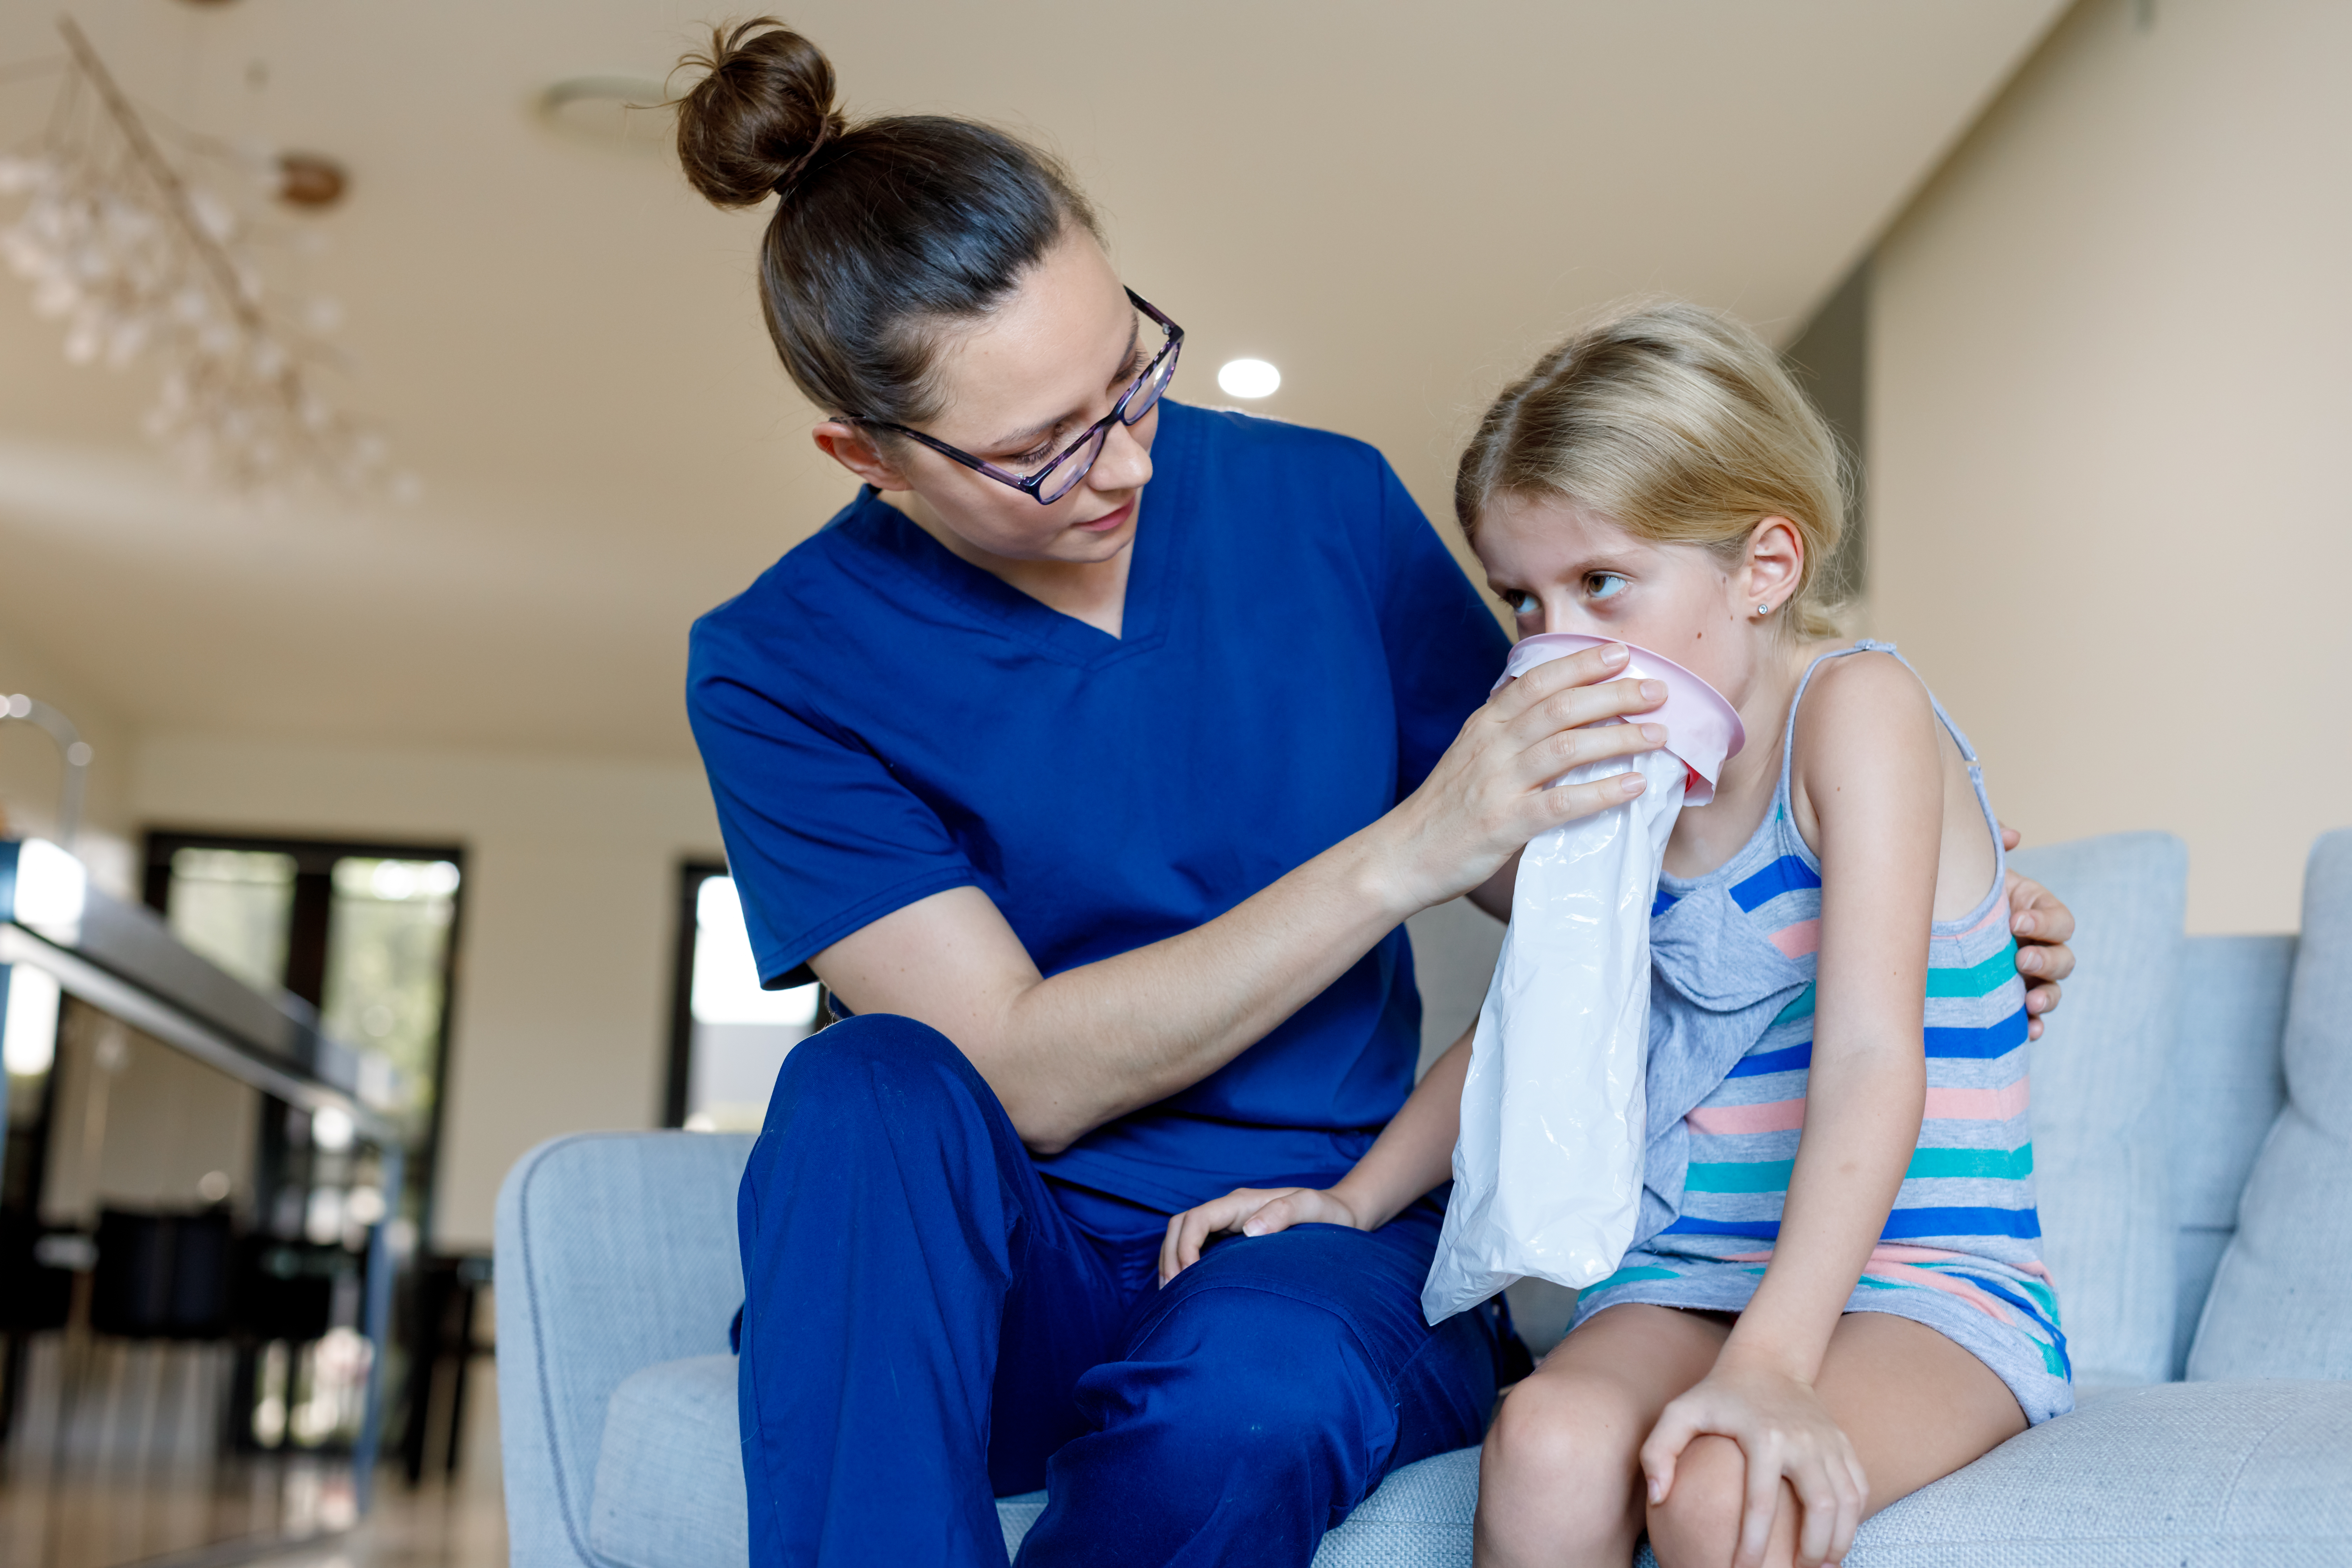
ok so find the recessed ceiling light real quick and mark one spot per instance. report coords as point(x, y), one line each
point(1248, 378)
point(626, 113)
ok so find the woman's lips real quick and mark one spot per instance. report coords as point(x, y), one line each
point(1109, 519)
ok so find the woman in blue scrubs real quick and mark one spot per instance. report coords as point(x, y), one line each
point(1093, 757)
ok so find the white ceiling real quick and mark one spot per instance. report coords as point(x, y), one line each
point(1394, 203)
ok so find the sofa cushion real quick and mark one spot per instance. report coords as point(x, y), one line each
point(2227, 1089)
point(2199, 1473)
point(669, 1476)
point(2282, 1301)
point(669, 1486)
point(2101, 1127)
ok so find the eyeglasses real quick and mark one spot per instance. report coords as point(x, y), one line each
point(1060, 476)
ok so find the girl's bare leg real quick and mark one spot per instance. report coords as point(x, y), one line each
point(1560, 1483)
point(1915, 1406)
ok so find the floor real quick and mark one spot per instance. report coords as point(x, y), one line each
point(115, 1458)
point(460, 1526)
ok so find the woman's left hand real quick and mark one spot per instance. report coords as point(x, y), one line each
point(1248, 1211)
point(1783, 1431)
point(2042, 925)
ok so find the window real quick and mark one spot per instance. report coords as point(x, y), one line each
point(727, 1036)
point(364, 932)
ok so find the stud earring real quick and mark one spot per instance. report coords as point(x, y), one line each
point(1763, 609)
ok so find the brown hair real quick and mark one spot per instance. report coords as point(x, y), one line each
point(886, 230)
point(1680, 425)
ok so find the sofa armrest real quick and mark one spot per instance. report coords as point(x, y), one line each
point(616, 1250)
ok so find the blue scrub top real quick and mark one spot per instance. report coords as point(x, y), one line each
point(882, 720)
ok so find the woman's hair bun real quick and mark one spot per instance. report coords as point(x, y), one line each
point(756, 121)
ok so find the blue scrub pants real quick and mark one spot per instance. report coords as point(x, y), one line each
point(929, 1324)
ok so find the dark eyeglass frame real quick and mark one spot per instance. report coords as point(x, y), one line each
point(1096, 435)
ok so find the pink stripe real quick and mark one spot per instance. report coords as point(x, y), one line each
point(1772, 1116)
point(1796, 941)
point(1888, 1253)
point(1885, 1253)
point(1999, 912)
point(1978, 1104)
point(1991, 1305)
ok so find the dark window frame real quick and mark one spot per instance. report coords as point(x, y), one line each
point(306, 946)
point(677, 1066)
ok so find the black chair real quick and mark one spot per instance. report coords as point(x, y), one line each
point(161, 1274)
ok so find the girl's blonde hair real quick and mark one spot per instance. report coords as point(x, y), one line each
point(1680, 425)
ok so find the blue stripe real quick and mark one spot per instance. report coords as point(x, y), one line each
point(1981, 1045)
point(1789, 1060)
point(2023, 1303)
point(1761, 1229)
point(1903, 1225)
point(1786, 875)
point(1661, 904)
point(2065, 1367)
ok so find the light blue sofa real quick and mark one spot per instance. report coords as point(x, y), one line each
point(2193, 1133)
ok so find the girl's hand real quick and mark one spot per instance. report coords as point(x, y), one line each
point(1250, 1211)
point(1486, 797)
point(1782, 1430)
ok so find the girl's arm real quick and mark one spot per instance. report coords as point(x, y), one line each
point(1413, 1154)
point(1869, 766)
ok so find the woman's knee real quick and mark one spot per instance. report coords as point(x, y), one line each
point(877, 1056)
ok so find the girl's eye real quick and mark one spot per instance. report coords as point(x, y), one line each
point(1604, 585)
point(1524, 604)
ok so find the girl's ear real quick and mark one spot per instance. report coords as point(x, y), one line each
point(1774, 564)
point(854, 448)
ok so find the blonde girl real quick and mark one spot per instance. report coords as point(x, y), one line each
point(1835, 1296)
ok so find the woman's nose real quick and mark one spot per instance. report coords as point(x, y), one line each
point(1125, 463)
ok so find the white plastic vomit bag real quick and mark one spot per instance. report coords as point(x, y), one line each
point(1547, 1168)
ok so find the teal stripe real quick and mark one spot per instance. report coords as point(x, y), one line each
point(1926, 1165)
point(1981, 981)
point(1803, 1008)
point(1627, 1276)
point(2051, 1359)
point(1739, 1177)
point(1983, 1164)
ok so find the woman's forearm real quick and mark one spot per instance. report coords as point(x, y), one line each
point(1093, 1042)
point(1068, 1053)
point(1414, 1151)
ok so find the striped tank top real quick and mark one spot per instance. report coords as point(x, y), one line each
point(1733, 958)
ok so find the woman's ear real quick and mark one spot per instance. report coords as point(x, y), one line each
point(854, 448)
point(1775, 563)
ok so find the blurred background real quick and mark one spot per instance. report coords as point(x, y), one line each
point(402, 751)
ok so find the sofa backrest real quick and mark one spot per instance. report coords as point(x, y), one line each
point(2102, 1124)
point(2226, 1088)
point(616, 1250)
point(2153, 1089)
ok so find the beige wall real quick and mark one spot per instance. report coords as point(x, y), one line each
point(561, 1017)
point(31, 770)
point(2109, 407)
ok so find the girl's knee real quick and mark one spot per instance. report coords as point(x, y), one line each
point(1697, 1526)
point(1560, 1462)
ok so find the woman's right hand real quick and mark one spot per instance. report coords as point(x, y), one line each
point(1249, 1211)
point(1486, 797)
